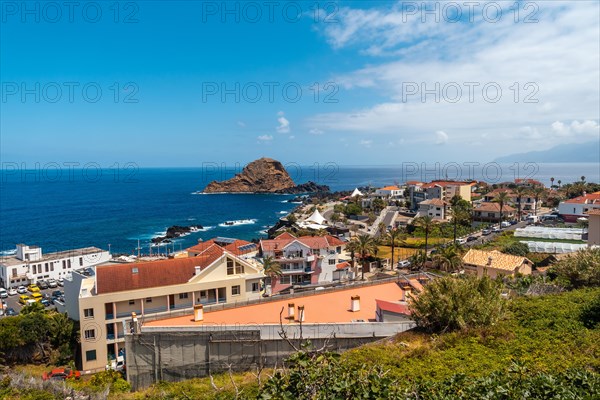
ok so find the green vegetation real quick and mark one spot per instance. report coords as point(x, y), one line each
point(449, 304)
point(579, 269)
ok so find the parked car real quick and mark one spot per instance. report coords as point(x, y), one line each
point(461, 241)
point(23, 299)
point(57, 293)
point(37, 296)
point(3, 293)
point(403, 264)
point(52, 283)
point(33, 288)
point(61, 374)
point(46, 303)
point(496, 229)
point(61, 282)
point(21, 290)
point(505, 224)
point(471, 238)
point(12, 291)
point(486, 231)
point(10, 312)
point(42, 284)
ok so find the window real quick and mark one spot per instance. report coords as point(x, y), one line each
point(52, 267)
point(46, 267)
point(332, 261)
point(89, 334)
point(255, 286)
point(88, 313)
point(239, 268)
point(148, 299)
point(235, 290)
point(90, 355)
point(183, 296)
point(81, 261)
point(230, 267)
point(64, 264)
point(68, 263)
point(131, 302)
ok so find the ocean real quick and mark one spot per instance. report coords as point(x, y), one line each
point(60, 209)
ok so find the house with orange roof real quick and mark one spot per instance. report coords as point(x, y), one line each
point(579, 207)
point(494, 264)
point(490, 212)
point(439, 189)
point(304, 260)
point(528, 202)
point(390, 192)
point(102, 298)
point(263, 333)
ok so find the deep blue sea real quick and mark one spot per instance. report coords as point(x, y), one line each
point(61, 209)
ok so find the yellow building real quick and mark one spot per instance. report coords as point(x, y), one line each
point(495, 263)
point(594, 227)
point(104, 297)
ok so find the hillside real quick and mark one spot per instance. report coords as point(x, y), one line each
point(566, 153)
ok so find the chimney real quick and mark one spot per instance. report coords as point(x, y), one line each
point(198, 312)
point(197, 270)
point(354, 303)
point(489, 263)
point(291, 309)
point(301, 313)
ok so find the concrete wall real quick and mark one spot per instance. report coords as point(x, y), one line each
point(176, 353)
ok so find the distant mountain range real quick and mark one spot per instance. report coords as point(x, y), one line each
point(566, 153)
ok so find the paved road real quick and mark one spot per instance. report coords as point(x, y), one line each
point(13, 301)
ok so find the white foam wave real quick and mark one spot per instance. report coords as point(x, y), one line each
point(237, 222)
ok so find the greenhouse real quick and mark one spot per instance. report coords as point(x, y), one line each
point(550, 233)
point(554, 247)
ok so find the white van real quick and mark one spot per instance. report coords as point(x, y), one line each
point(532, 219)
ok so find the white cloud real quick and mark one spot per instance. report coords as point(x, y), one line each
point(366, 143)
point(576, 128)
point(441, 137)
point(284, 124)
point(241, 124)
point(265, 138)
point(563, 88)
point(315, 131)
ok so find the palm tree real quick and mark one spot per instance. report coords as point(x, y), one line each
point(582, 179)
point(351, 247)
point(502, 198)
point(365, 246)
point(61, 328)
point(448, 259)
point(559, 182)
point(393, 235)
point(551, 181)
point(426, 222)
point(418, 260)
point(460, 212)
point(537, 192)
point(271, 268)
point(520, 192)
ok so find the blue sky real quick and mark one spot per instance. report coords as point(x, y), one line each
point(364, 56)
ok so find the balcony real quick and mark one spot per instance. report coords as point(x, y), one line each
point(109, 316)
point(155, 310)
point(128, 313)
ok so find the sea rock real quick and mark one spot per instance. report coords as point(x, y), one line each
point(264, 175)
point(308, 187)
point(176, 231)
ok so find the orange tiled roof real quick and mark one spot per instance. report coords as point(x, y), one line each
point(337, 309)
point(390, 188)
point(342, 265)
point(445, 183)
point(395, 307)
point(435, 202)
point(313, 242)
point(595, 211)
point(591, 198)
point(481, 258)
point(132, 276)
point(493, 207)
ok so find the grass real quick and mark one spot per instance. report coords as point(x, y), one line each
point(400, 253)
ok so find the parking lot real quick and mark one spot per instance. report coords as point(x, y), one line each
point(13, 301)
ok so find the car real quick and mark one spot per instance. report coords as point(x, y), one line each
point(52, 283)
point(33, 288)
point(461, 241)
point(403, 264)
point(61, 282)
point(21, 290)
point(61, 374)
point(496, 229)
point(57, 293)
point(37, 296)
point(505, 224)
point(46, 303)
point(10, 312)
point(23, 299)
point(12, 291)
point(42, 285)
point(486, 231)
point(3, 293)
point(471, 238)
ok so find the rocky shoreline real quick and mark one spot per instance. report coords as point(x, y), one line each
point(176, 231)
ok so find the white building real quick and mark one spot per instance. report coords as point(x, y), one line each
point(30, 265)
point(390, 192)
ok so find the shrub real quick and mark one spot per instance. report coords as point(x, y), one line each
point(450, 303)
point(590, 315)
point(516, 249)
point(578, 270)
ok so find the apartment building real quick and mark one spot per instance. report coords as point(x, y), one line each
point(572, 209)
point(304, 260)
point(437, 209)
point(30, 264)
point(103, 298)
point(442, 190)
point(528, 202)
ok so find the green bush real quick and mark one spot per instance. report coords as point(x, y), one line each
point(450, 303)
point(581, 269)
point(516, 249)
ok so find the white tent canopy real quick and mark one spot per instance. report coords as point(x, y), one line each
point(316, 217)
point(549, 233)
point(554, 247)
point(356, 193)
